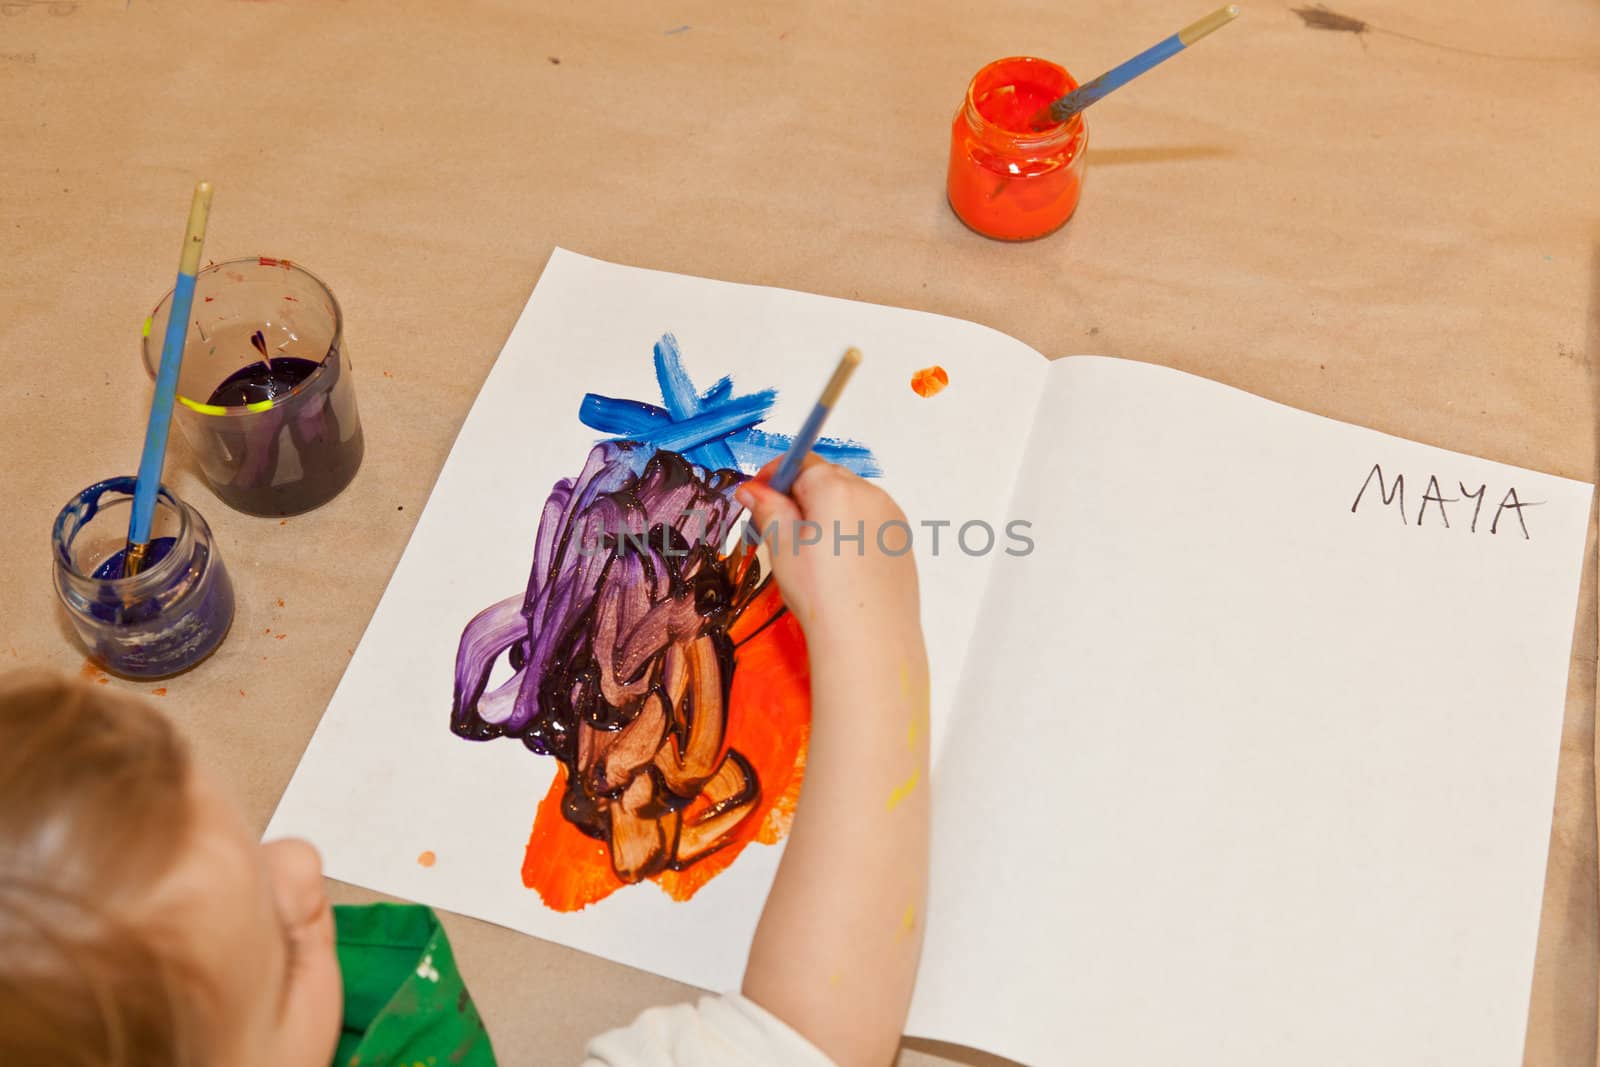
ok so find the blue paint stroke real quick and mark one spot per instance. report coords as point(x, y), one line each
point(714, 429)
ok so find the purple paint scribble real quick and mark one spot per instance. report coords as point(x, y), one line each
point(622, 664)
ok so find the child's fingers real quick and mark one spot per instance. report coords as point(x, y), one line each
point(766, 505)
point(764, 475)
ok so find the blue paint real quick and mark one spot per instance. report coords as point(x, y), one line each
point(783, 478)
point(756, 448)
point(714, 429)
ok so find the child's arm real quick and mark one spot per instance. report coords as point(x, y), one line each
point(835, 955)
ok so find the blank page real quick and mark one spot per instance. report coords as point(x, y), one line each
point(1239, 775)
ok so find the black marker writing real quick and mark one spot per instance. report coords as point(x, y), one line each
point(1393, 494)
point(1397, 495)
point(1432, 493)
point(1478, 496)
point(1511, 501)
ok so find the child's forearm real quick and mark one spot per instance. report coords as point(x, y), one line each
point(836, 953)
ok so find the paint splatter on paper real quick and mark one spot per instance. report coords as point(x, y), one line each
point(656, 666)
point(426, 858)
point(930, 381)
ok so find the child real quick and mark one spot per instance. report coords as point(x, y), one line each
point(143, 925)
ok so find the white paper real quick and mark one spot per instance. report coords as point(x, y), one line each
point(1237, 776)
point(385, 779)
point(1224, 773)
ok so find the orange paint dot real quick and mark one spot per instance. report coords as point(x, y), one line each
point(280, 602)
point(427, 859)
point(929, 381)
point(160, 692)
point(280, 637)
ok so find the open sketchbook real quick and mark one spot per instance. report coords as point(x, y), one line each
point(1244, 722)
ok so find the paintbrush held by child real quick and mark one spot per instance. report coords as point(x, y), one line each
point(144, 925)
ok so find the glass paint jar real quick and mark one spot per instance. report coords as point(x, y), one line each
point(1008, 180)
point(163, 620)
point(265, 396)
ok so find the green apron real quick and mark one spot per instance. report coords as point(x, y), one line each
point(405, 1004)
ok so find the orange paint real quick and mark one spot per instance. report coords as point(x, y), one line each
point(159, 692)
point(929, 381)
point(1007, 180)
point(92, 672)
point(280, 602)
point(769, 721)
point(427, 858)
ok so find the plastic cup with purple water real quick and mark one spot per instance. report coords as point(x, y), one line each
point(265, 398)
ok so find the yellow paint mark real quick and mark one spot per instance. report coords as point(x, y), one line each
point(204, 409)
point(919, 706)
point(147, 327)
point(908, 923)
point(834, 979)
point(903, 791)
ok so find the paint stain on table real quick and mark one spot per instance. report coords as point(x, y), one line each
point(427, 858)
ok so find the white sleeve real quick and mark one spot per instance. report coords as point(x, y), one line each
point(725, 1031)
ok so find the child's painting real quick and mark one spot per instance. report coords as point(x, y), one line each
point(655, 665)
point(579, 708)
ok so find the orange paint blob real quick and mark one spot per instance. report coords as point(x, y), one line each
point(427, 858)
point(159, 692)
point(769, 722)
point(929, 381)
point(1006, 179)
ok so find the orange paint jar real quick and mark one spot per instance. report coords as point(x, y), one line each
point(1008, 180)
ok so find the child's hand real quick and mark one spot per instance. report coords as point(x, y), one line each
point(835, 955)
point(841, 553)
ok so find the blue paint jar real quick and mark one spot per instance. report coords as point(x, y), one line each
point(163, 620)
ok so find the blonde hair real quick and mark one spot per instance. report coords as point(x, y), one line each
point(94, 811)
